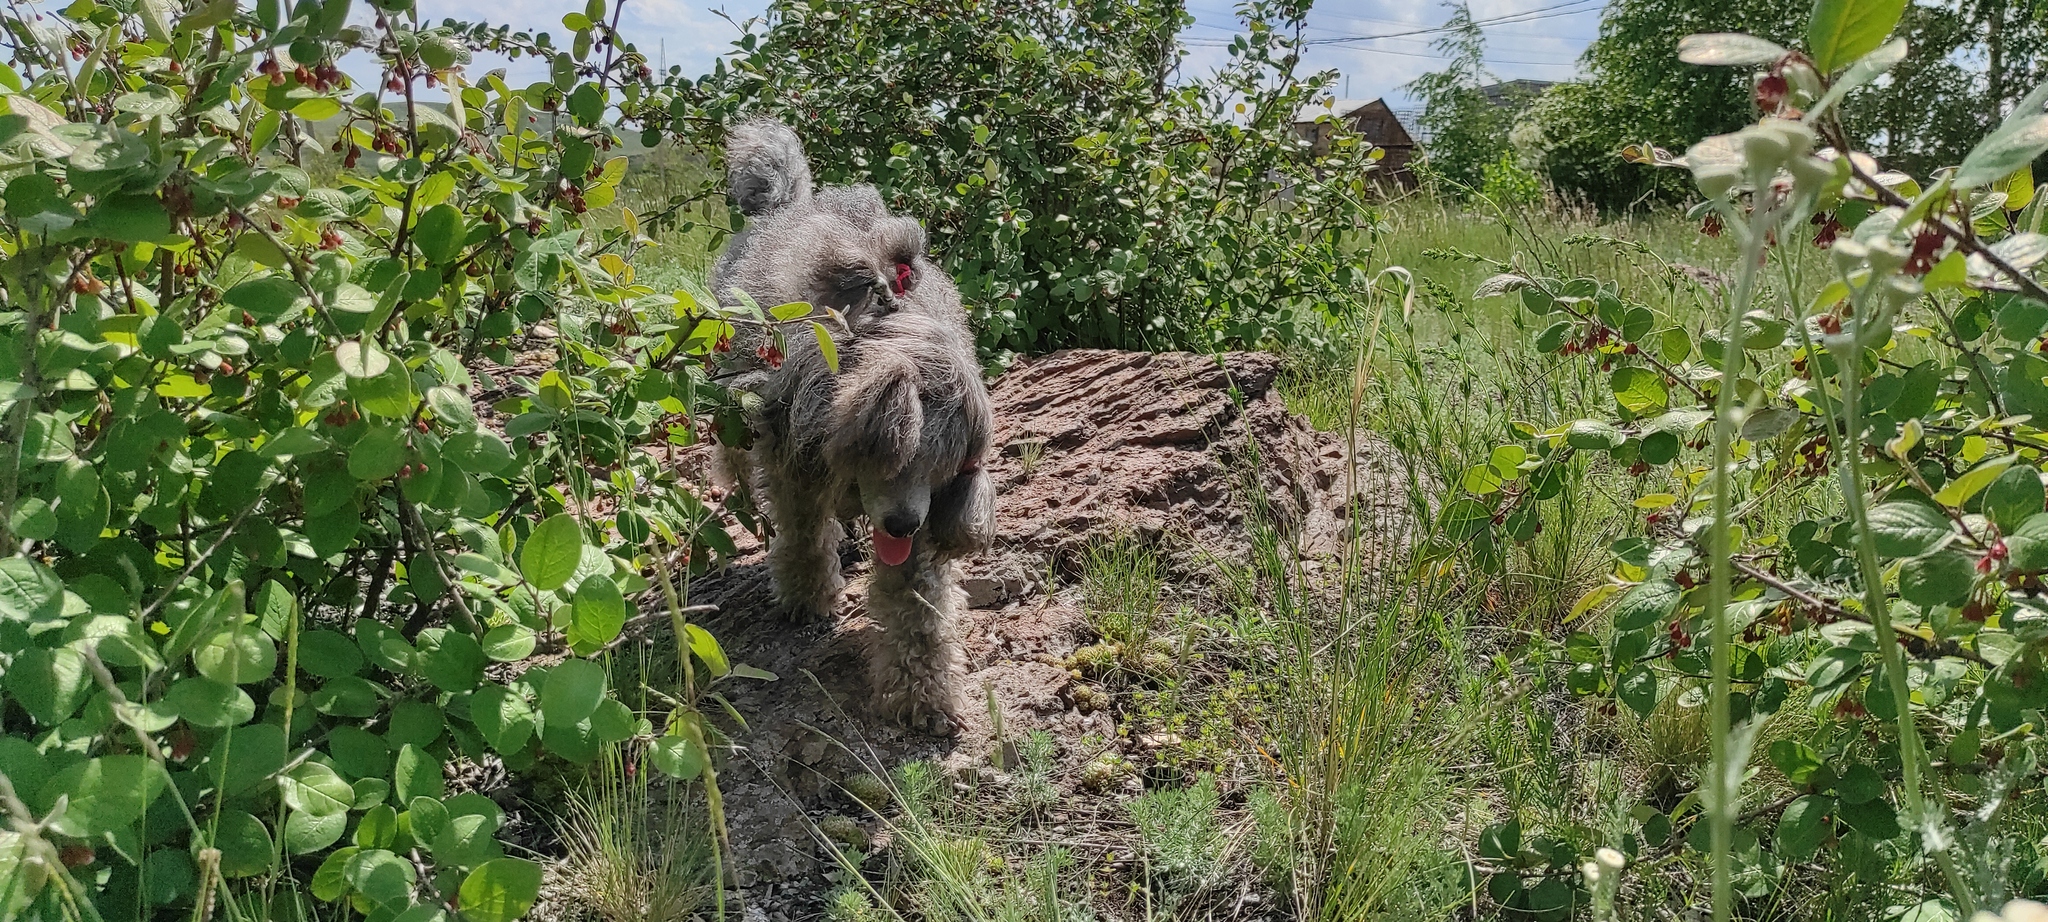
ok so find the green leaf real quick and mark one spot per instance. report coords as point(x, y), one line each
point(49, 684)
point(1728, 48)
point(106, 794)
point(245, 759)
point(1909, 529)
point(826, 347)
point(500, 890)
point(707, 650)
point(1593, 435)
point(1942, 578)
point(329, 654)
point(1640, 391)
point(466, 841)
point(613, 722)
point(1803, 825)
point(502, 716)
point(360, 359)
point(679, 755)
point(1645, 604)
point(381, 452)
point(330, 881)
point(451, 408)
point(509, 643)
point(294, 441)
point(439, 234)
point(244, 843)
point(1501, 841)
point(1796, 759)
point(1637, 688)
point(2027, 546)
point(268, 299)
point(1960, 490)
point(348, 696)
point(389, 395)
point(207, 703)
point(316, 789)
point(378, 827)
point(1833, 667)
point(452, 660)
point(28, 590)
point(383, 878)
point(596, 615)
point(306, 833)
point(236, 655)
point(130, 219)
point(1860, 784)
point(1840, 31)
point(417, 774)
point(551, 553)
point(571, 693)
point(478, 452)
point(359, 752)
point(1873, 818)
point(2014, 497)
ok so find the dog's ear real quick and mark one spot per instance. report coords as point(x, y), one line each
point(765, 167)
point(877, 416)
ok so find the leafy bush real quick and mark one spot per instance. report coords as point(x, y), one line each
point(1467, 131)
point(1924, 114)
point(1878, 373)
point(261, 538)
point(1505, 182)
point(1184, 844)
point(1079, 197)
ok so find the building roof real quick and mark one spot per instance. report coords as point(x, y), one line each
point(1499, 93)
point(1333, 107)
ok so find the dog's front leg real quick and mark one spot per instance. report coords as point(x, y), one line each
point(918, 663)
point(804, 554)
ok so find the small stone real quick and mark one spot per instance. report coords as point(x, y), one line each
point(1158, 740)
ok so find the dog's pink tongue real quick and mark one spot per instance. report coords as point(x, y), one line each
point(893, 551)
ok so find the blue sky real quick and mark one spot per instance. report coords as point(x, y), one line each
point(1538, 39)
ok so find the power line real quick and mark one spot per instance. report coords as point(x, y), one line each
point(1207, 43)
point(1321, 14)
point(1540, 13)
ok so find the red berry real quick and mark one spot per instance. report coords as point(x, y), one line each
point(1770, 92)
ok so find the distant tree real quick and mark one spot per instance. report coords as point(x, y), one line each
point(1970, 60)
point(1638, 91)
point(1467, 131)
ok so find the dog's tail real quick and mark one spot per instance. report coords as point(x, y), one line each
point(765, 166)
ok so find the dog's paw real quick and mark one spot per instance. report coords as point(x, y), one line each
point(932, 719)
point(806, 611)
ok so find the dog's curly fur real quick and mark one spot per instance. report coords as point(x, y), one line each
point(899, 433)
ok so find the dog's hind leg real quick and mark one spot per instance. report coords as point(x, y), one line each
point(918, 663)
point(804, 554)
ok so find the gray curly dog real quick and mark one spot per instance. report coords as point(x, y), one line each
point(898, 434)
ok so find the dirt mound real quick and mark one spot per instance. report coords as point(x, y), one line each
point(1176, 449)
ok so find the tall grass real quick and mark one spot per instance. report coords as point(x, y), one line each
point(637, 853)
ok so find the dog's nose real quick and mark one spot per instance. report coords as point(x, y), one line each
point(901, 524)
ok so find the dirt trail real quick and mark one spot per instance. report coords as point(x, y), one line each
point(1091, 444)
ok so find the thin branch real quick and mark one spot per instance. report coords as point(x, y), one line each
point(1919, 646)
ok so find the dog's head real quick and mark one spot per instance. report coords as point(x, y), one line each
point(836, 247)
point(910, 427)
